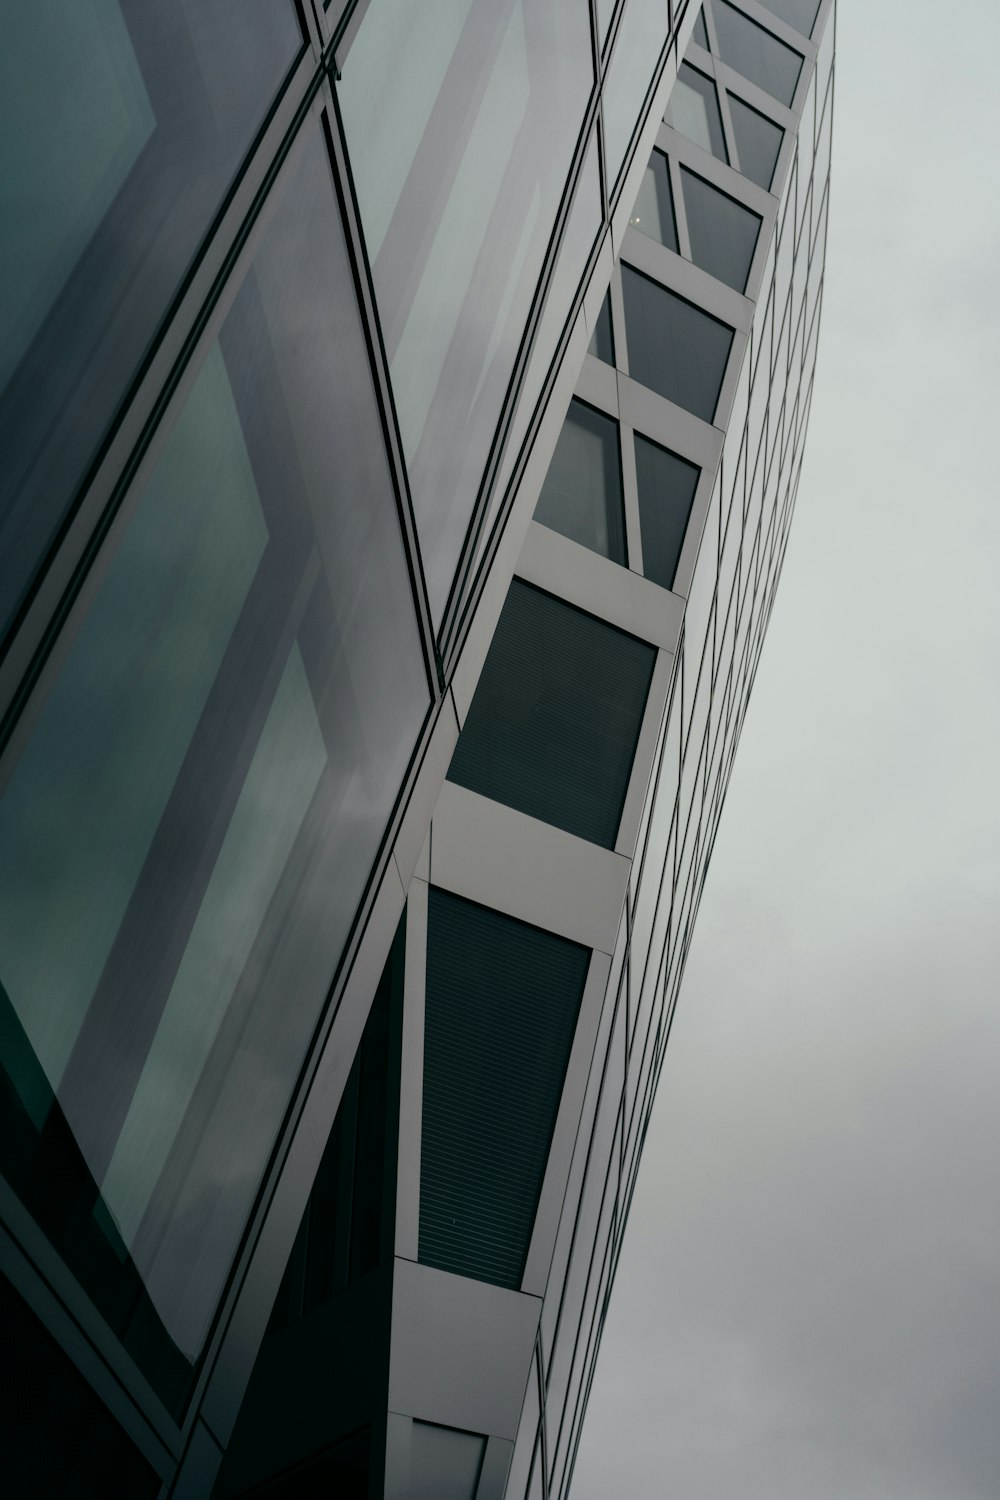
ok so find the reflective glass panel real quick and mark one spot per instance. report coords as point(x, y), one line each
point(673, 347)
point(197, 807)
point(602, 344)
point(640, 40)
point(459, 169)
point(758, 142)
point(798, 13)
point(755, 53)
point(444, 1462)
point(582, 493)
point(700, 34)
point(123, 126)
point(654, 205)
point(666, 487)
point(694, 111)
point(723, 233)
point(553, 727)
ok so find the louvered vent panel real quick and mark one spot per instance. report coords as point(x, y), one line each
point(501, 1010)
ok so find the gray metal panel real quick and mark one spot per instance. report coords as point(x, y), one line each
point(461, 1350)
point(584, 578)
point(528, 869)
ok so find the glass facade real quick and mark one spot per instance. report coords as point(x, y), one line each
point(293, 295)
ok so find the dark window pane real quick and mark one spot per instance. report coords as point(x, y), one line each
point(723, 232)
point(602, 345)
point(553, 726)
point(342, 1471)
point(654, 205)
point(582, 493)
point(501, 1008)
point(57, 1437)
point(756, 54)
point(798, 13)
point(459, 169)
point(346, 1230)
point(666, 486)
point(700, 33)
point(124, 124)
point(674, 348)
point(444, 1462)
point(758, 142)
point(198, 805)
point(694, 111)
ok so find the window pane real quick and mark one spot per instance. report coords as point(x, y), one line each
point(758, 142)
point(798, 13)
point(602, 345)
point(654, 205)
point(553, 726)
point(723, 232)
point(444, 1463)
point(640, 40)
point(459, 169)
point(83, 1453)
point(582, 493)
point(694, 111)
point(700, 34)
point(112, 172)
point(501, 1007)
point(666, 486)
point(676, 349)
point(197, 808)
point(756, 54)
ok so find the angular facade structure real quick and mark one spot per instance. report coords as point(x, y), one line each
point(402, 410)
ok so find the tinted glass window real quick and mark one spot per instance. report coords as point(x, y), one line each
point(444, 1462)
point(58, 1438)
point(654, 205)
point(694, 111)
point(197, 807)
point(501, 1006)
point(582, 493)
point(666, 486)
point(553, 726)
point(459, 170)
point(674, 348)
point(755, 53)
point(346, 1230)
point(123, 125)
point(723, 232)
point(700, 33)
point(798, 13)
point(602, 344)
point(758, 142)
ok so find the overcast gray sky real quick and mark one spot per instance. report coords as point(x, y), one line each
point(808, 1303)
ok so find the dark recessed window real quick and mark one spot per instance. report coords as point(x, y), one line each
point(666, 486)
point(676, 349)
point(758, 142)
point(92, 1458)
point(700, 33)
point(602, 345)
point(723, 232)
point(694, 111)
point(582, 493)
point(756, 54)
point(501, 1006)
point(798, 13)
point(553, 727)
point(654, 206)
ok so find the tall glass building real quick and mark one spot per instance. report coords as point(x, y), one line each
point(401, 415)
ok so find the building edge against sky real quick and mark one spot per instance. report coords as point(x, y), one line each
point(339, 1071)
